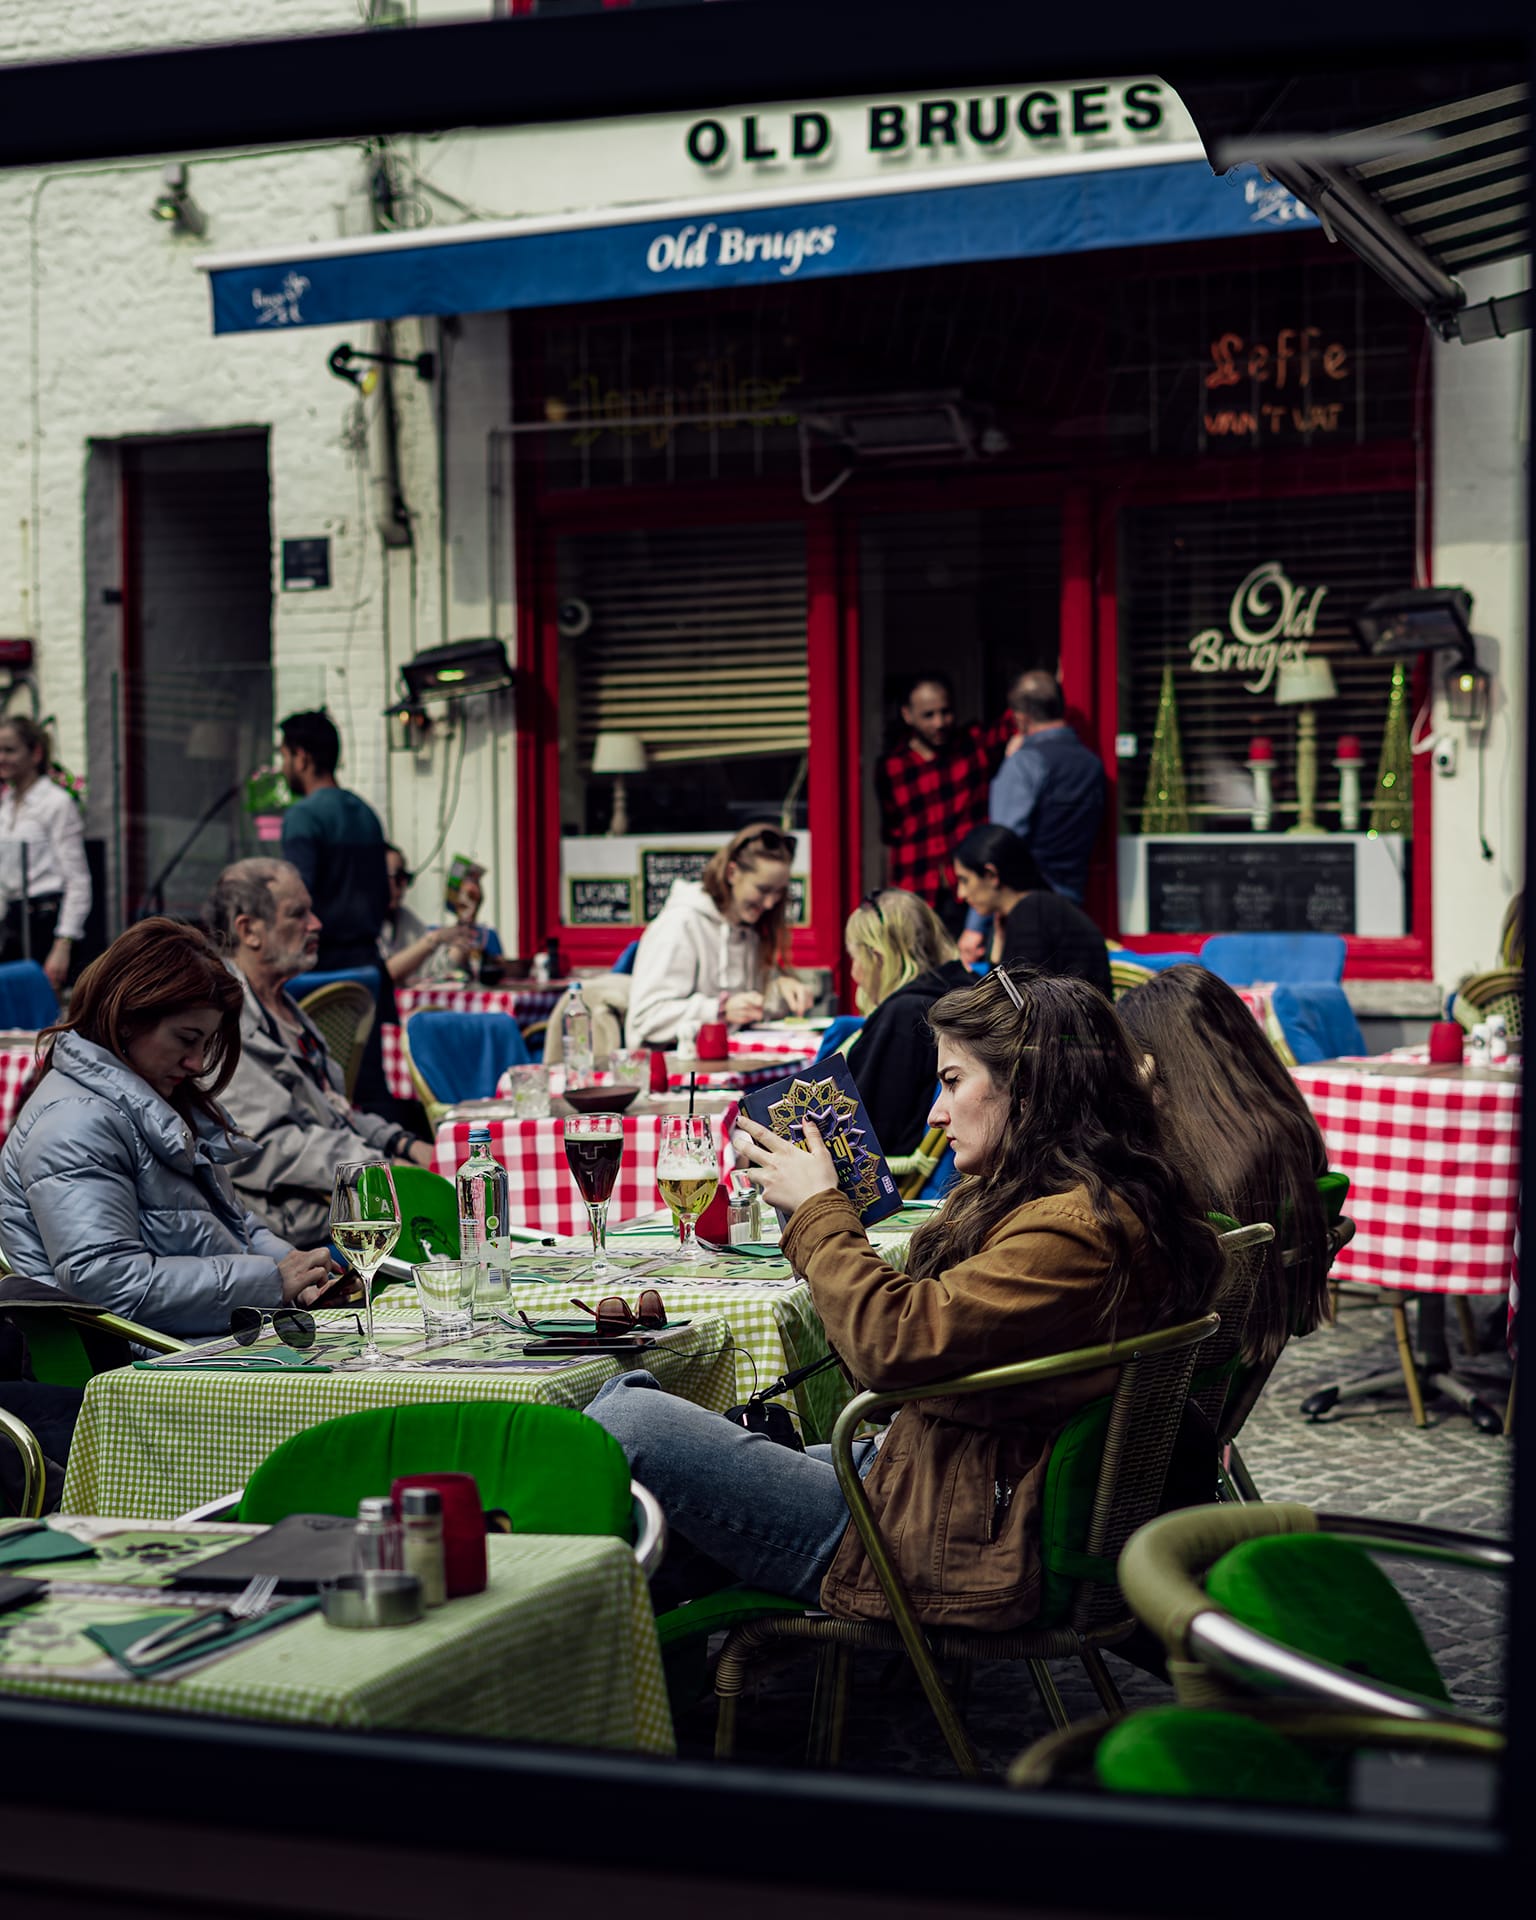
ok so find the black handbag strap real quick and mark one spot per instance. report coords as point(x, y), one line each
point(791, 1379)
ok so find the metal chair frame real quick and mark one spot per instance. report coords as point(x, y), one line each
point(1155, 1371)
point(34, 1470)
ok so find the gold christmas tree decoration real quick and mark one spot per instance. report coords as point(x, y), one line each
point(1165, 808)
point(1392, 805)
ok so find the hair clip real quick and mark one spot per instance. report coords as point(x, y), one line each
point(1001, 973)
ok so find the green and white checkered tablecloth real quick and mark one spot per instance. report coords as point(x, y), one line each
point(155, 1442)
point(561, 1647)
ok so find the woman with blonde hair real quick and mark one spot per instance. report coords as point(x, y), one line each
point(719, 948)
point(903, 960)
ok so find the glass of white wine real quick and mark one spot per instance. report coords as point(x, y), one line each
point(365, 1224)
point(687, 1172)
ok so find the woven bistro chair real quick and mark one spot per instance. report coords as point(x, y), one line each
point(344, 1013)
point(1111, 1460)
point(71, 1339)
point(1268, 1752)
point(1502, 991)
point(1253, 1601)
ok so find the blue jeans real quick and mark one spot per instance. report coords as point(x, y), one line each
point(772, 1517)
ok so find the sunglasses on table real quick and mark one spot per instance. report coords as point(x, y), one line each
point(614, 1315)
point(292, 1325)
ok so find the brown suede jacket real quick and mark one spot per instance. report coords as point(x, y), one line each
point(956, 1484)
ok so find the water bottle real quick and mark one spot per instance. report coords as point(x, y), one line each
point(482, 1184)
point(576, 1034)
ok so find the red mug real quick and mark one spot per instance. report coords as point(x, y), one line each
point(714, 1040)
point(1447, 1043)
point(464, 1566)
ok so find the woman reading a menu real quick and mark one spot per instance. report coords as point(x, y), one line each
point(1069, 1226)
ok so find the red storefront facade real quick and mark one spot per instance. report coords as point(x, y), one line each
point(1135, 436)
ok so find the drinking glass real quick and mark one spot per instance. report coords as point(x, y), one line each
point(529, 1091)
point(365, 1224)
point(445, 1291)
point(687, 1172)
point(594, 1146)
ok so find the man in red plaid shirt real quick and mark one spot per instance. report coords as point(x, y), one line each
point(933, 790)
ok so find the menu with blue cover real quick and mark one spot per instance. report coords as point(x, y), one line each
point(826, 1096)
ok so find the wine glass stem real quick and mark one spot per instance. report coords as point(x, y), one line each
point(687, 1235)
point(597, 1219)
point(368, 1310)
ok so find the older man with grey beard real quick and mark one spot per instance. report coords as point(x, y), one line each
point(287, 1093)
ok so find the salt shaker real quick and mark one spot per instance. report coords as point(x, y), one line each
point(421, 1527)
point(1477, 1052)
point(742, 1214)
point(1498, 1040)
point(688, 1039)
point(376, 1539)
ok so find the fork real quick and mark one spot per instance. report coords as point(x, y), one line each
point(177, 1635)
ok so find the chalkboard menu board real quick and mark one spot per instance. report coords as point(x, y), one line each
point(1294, 886)
point(603, 903)
point(660, 866)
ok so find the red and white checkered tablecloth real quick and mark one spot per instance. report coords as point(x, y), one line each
point(776, 1040)
point(17, 1065)
point(1434, 1172)
point(525, 1004)
point(540, 1190)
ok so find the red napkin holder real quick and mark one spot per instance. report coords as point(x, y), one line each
point(715, 1220)
point(658, 1070)
point(1446, 1043)
point(463, 1527)
point(714, 1040)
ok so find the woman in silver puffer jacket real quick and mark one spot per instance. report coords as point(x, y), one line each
point(112, 1182)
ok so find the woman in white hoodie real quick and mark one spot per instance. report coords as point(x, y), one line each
point(716, 951)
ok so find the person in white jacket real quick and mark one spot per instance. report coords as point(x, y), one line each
point(716, 951)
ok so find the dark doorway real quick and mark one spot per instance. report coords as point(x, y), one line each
point(196, 697)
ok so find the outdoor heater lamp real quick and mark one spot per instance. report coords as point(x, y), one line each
point(456, 671)
point(1396, 626)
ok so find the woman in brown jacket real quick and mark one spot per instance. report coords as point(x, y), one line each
point(1069, 1226)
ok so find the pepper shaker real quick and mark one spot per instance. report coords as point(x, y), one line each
point(421, 1527)
point(376, 1539)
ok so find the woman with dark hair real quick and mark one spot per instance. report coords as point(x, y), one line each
point(112, 1182)
point(1068, 1227)
point(995, 873)
point(1242, 1134)
point(53, 892)
point(903, 960)
point(719, 948)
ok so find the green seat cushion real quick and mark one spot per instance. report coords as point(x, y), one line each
point(1189, 1753)
point(1333, 1191)
point(714, 1612)
point(1066, 1510)
point(1327, 1598)
point(429, 1215)
point(551, 1470)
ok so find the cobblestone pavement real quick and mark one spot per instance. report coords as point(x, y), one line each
point(1365, 1458)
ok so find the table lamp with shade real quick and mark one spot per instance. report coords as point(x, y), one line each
point(1302, 683)
point(619, 754)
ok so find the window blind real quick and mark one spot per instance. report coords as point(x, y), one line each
point(696, 640)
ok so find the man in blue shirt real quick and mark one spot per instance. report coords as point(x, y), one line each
point(336, 842)
point(1050, 792)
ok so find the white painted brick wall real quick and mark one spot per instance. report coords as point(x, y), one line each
point(106, 334)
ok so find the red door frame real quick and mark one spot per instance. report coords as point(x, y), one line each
point(1090, 500)
point(834, 805)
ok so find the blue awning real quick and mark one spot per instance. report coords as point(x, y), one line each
point(484, 268)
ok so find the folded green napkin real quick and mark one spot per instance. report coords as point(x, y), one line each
point(33, 1545)
point(270, 1360)
point(117, 1636)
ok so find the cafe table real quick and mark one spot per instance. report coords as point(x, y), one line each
point(773, 1323)
point(1433, 1158)
point(526, 1004)
point(541, 1194)
point(155, 1441)
point(559, 1648)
